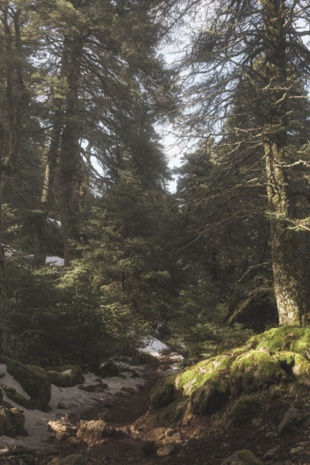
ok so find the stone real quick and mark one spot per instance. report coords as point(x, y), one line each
point(157, 434)
point(292, 417)
point(270, 453)
point(61, 405)
point(165, 450)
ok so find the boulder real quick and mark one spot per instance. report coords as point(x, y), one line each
point(291, 418)
point(12, 422)
point(109, 369)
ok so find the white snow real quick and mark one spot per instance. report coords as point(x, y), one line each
point(56, 261)
point(73, 398)
point(153, 346)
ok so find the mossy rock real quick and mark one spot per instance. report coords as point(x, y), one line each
point(244, 409)
point(33, 380)
point(255, 370)
point(19, 399)
point(163, 392)
point(109, 369)
point(167, 416)
point(210, 398)
point(289, 338)
point(12, 422)
point(65, 376)
point(197, 376)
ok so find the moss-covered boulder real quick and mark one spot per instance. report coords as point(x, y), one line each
point(289, 338)
point(208, 371)
point(65, 376)
point(33, 380)
point(254, 371)
point(109, 369)
point(209, 399)
point(19, 399)
point(269, 361)
point(12, 422)
point(244, 409)
point(163, 394)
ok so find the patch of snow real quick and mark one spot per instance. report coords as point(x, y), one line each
point(153, 346)
point(54, 222)
point(56, 261)
point(74, 399)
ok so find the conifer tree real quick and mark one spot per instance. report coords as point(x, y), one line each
point(260, 44)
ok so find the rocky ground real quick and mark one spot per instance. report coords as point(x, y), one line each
point(117, 431)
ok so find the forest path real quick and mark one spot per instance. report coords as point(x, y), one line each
point(124, 444)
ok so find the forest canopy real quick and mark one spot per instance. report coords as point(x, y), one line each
point(84, 87)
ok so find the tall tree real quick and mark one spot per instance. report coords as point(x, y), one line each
point(106, 67)
point(236, 36)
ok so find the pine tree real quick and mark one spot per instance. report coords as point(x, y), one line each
point(259, 43)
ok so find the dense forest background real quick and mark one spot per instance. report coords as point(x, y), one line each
point(84, 89)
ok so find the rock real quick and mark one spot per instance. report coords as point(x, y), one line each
point(165, 450)
point(244, 409)
point(109, 369)
point(61, 405)
point(73, 459)
point(72, 418)
point(271, 453)
point(156, 434)
point(33, 380)
point(12, 422)
point(163, 392)
point(98, 387)
point(242, 457)
point(65, 376)
point(92, 431)
point(291, 418)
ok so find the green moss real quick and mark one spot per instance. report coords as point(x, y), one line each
point(206, 371)
point(32, 379)
point(163, 392)
point(210, 398)
point(291, 338)
point(66, 376)
point(19, 399)
point(301, 369)
point(244, 409)
point(12, 422)
point(255, 370)
point(247, 458)
point(169, 415)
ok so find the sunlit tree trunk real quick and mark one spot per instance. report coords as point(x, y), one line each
point(284, 248)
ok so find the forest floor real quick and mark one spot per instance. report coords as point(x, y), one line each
point(205, 441)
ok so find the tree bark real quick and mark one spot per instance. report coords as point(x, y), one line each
point(69, 158)
point(288, 284)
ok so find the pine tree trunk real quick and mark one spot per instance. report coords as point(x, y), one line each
point(288, 284)
point(69, 157)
